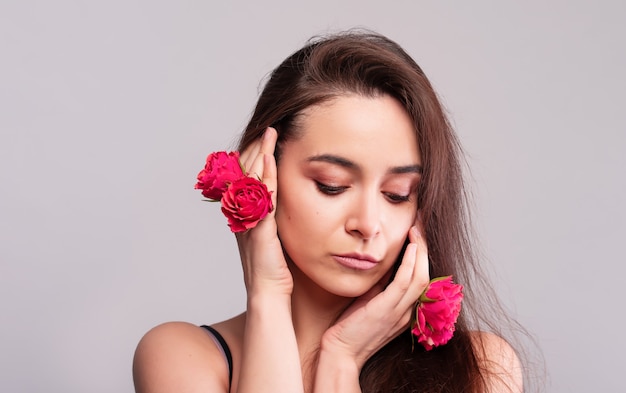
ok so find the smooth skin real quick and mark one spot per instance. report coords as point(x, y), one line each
point(344, 190)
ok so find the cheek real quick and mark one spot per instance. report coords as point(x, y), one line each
point(303, 214)
point(295, 211)
point(300, 204)
point(398, 226)
point(285, 222)
point(397, 240)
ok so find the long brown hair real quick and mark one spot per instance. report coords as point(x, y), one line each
point(368, 64)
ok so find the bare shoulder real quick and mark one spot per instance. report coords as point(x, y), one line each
point(181, 357)
point(503, 370)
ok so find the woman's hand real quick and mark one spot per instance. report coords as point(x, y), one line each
point(264, 266)
point(270, 361)
point(382, 313)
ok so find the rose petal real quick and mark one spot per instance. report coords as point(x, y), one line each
point(245, 202)
point(437, 312)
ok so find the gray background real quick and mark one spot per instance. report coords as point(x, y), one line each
point(107, 110)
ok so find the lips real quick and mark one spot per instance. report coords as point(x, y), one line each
point(356, 261)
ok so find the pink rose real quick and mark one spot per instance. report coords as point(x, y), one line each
point(246, 202)
point(437, 311)
point(220, 170)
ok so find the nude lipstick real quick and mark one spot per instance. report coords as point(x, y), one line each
point(356, 261)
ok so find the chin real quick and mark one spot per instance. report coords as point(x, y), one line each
point(341, 284)
point(349, 288)
point(351, 293)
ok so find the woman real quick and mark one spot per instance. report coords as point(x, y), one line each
point(365, 174)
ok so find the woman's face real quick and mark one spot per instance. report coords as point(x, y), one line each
point(347, 192)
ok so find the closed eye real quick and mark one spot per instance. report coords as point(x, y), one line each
point(330, 190)
point(396, 198)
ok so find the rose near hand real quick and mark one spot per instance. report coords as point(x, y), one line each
point(437, 311)
point(245, 200)
point(220, 170)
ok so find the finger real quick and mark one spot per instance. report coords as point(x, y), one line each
point(264, 168)
point(248, 156)
point(269, 178)
point(412, 276)
point(419, 222)
point(402, 280)
point(267, 145)
point(421, 274)
point(269, 141)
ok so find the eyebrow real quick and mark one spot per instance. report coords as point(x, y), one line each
point(332, 159)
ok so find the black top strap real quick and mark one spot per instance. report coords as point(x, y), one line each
point(226, 350)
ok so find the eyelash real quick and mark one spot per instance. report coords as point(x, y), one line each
point(330, 190)
point(395, 198)
point(336, 190)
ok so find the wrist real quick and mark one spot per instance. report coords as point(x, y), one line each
point(335, 349)
point(269, 308)
point(337, 372)
point(260, 300)
point(271, 286)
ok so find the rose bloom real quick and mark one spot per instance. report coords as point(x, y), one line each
point(220, 170)
point(438, 309)
point(246, 202)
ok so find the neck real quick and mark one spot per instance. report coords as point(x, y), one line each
point(313, 310)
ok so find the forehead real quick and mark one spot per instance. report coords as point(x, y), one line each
point(365, 129)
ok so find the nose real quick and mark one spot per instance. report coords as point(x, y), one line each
point(364, 218)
